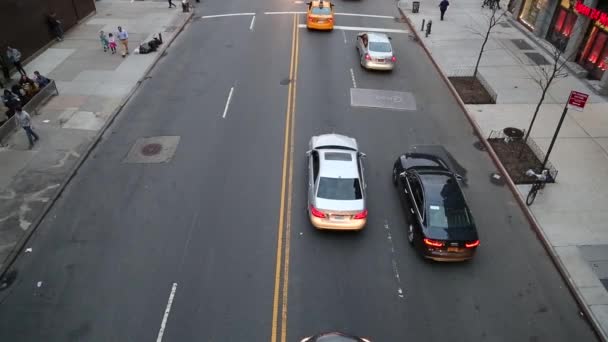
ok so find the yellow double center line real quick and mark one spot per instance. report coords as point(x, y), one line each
point(279, 303)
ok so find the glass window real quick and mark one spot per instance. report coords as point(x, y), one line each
point(321, 11)
point(380, 47)
point(529, 12)
point(442, 217)
point(339, 188)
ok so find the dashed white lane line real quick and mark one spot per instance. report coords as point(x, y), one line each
point(163, 324)
point(352, 76)
point(344, 36)
point(252, 22)
point(366, 15)
point(298, 2)
point(226, 15)
point(389, 237)
point(287, 12)
point(228, 102)
point(364, 29)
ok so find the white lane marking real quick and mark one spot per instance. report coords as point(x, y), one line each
point(366, 15)
point(226, 15)
point(163, 324)
point(228, 103)
point(298, 2)
point(252, 22)
point(368, 29)
point(288, 12)
point(352, 76)
point(344, 35)
point(389, 237)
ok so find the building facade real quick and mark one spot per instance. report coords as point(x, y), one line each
point(23, 23)
point(579, 28)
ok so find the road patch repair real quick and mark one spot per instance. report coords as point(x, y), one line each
point(152, 150)
point(386, 99)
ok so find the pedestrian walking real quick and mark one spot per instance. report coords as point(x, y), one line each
point(14, 56)
point(171, 4)
point(123, 36)
point(55, 25)
point(24, 120)
point(443, 6)
point(112, 43)
point(104, 41)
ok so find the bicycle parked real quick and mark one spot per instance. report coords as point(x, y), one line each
point(539, 184)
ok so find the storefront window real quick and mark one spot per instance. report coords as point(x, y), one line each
point(563, 23)
point(595, 54)
point(529, 12)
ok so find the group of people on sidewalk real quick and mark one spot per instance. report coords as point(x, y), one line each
point(109, 42)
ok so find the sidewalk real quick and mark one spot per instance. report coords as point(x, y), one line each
point(92, 86)
point(571, 212)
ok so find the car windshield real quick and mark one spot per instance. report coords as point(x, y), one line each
point(379, 46)
point(339, 188)
point(321, 11)
point(439, 216)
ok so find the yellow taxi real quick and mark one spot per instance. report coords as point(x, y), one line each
point(320, 15)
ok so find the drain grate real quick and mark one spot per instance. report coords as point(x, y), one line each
point(505, 25)
point(537, 58)
point(152, 150)
point(170, 28)
point(521, 44)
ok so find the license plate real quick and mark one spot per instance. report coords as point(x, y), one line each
point(453, 249)
point(321, 21)
point(381, 60)
point(338, 218)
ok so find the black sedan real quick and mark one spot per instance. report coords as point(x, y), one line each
point(440, 225)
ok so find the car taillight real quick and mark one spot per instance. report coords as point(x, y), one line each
point(367, 57)
point(310, 19)
point(361, 215)
point(433, 243)
point(331, 20)
point(472, 244)
point(394, 59)
point(316, 212)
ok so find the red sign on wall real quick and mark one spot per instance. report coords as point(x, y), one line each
point(577, 100)
point(592, 13)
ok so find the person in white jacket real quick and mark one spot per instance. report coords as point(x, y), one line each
point(24, 120)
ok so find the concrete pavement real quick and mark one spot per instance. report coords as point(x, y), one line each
point(571, 212)
point(92, 87)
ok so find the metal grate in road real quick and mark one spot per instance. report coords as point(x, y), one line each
point(386, 99)
point(521, 44)
point(152, 150)
point(536, 58)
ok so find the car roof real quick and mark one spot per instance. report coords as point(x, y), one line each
point(335, 168)
point(377, 37)
point(318, 3)
point(333, 140)
point(442, 188)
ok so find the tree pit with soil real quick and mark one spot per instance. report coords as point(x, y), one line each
point(471, 90)
point(517, 157)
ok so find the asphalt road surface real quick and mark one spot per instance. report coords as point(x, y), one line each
point(215, 245)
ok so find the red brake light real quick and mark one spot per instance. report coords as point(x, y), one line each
point(394, 59)
point(472, 244)
point(433, 243)
point(367, 57)
point(361, 215)
point(316, 212)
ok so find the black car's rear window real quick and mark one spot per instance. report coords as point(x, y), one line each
point(446, 218)
point(339, 188)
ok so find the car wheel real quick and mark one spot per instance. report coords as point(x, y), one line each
point(411, 234)
point(394, 177)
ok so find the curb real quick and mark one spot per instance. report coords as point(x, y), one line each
point(595, 323)
point(12, 257)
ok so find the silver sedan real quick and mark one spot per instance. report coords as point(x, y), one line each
point(375, 51)
point(336, 185)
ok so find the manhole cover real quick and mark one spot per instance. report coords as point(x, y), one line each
point(382, 99)
point(479, 145)
point(151, 149)
point(521, 44)
point(537, 58)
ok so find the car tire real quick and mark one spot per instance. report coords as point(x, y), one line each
point(394, 176)
point(411, 234)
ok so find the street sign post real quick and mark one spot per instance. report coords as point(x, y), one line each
point(576, 101)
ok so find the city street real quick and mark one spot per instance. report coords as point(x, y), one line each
point(214, 244)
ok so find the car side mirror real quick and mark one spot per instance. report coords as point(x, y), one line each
point(402, 174)
point(390, 38)
point(459, 177)
point(362, 155)
point(308, 152)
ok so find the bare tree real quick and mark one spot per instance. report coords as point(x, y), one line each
point(547, 74)
point(496, 16)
